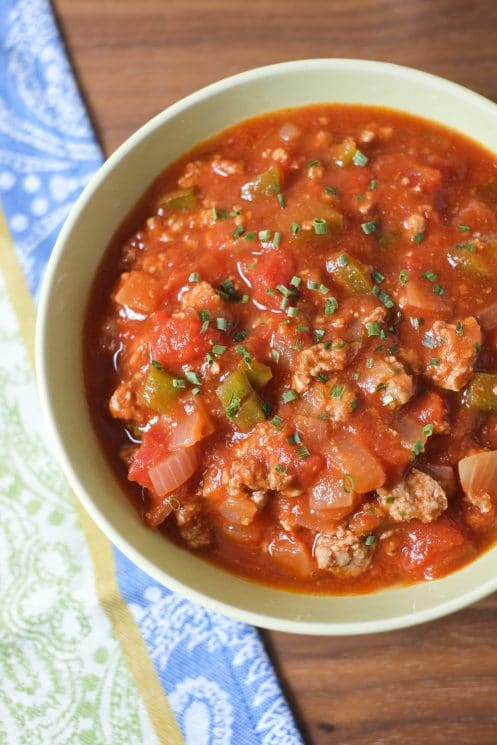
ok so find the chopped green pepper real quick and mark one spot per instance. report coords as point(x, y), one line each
point(257, 373)
point(236, 383)
point(481, 392)
point(349, 273)
point(264, 185)
point(472, 258)
point(250, 413)
point(158, 390)
point(179, 200)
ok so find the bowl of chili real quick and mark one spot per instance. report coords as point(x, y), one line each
point(280, 343)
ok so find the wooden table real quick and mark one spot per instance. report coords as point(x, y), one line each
point(436, 683)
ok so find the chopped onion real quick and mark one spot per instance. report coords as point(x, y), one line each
point(478, 474)
point(354, 461)
point(191, 426)
point(289, 132)
point(174, 470)
point(419, 294)
point(312, 429)
point(332, 493)
point(488, 317)
point(238, 511)
point(409, 430)
point(291, 554)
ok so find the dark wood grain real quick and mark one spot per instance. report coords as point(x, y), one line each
point(437, 683)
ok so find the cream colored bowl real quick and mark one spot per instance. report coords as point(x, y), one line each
point(100, 209)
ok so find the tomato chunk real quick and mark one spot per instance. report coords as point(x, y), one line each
point(178, 339)
point(154, 447)
point(272, 269)
point(429, 549)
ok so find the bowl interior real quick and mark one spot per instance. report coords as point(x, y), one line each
point(103, 205)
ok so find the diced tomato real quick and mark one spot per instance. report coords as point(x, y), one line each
point(154, 447)
point(272, 268)
point(428, 408)
point(139, 291)
point(429, 549)
point(350, 183)
point(394, 168)
point(383, 441)
point(178, 339)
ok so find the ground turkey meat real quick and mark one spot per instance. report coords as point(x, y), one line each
point(202, 296)
point(321, 358)
point(418, 496)
point(455, 348)
point(333, 400)
point(253, 471)
point(342, 552)
point(387, 379)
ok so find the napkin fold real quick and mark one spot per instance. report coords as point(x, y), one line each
point(63, 664)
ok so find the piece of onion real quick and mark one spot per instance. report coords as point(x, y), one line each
point(312, 429)
point(173, 470)
point(488, 317)
point(331, 492)
point(361, 469)
point(192, 423)
point(419, 295)
point(478, 475)
point(289, 132)
point(290, 554)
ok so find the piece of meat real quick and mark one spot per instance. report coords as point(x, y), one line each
point(321, 358)
point(455, 350)
point(202, 296)
point(196, 532)
point(418, 496)
point(333, 400)
point(387, 378)
point(343, 553)
point(123, 403)
point(254, 469)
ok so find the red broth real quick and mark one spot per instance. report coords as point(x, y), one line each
point(290, 347)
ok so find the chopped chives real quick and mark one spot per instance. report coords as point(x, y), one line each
point(359, 158)
point(195, 391)
point(459, 328)
point(323, 289)
point(434, 361)
point(428, 430)
point(209, 358)
point(331, 306)
point(343, 260)
point(331, 190)
point(277, 421)
point(193, 377)
point(369, 540)
point(238, 231)
point(194, 277)
point(418, 237)
point(418, 447)
point(337, 390)
point(438, 290)
point(295, 227)
point(264, 235)
point(463, 228)
point(428, 341)
point(284, 303)
point(373, 184)
point(377, 276)
point(250, 236)
point(243, 351)
point(302, 328)
point(218, 349)
point(275, 355)
point(302, 451)
point(179, 383)
point(369, 227)
point(404, 276)
point(281, 199)
point(416, 323)
point(289, 395)
point(311, 163)
point(312, 285)
point(245, 299)
point(284, 290)
point(292, 311)
point(373, 329)
point(222, 323)
point(319, 335)
point(276, 239)
point(240, 335)
point(320, 226)
point(430, 276)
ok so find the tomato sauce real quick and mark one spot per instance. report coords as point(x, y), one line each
point(291, 350)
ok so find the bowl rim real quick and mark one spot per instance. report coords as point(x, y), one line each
point(256, 618)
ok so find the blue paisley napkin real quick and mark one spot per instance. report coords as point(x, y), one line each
point(214, 671)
